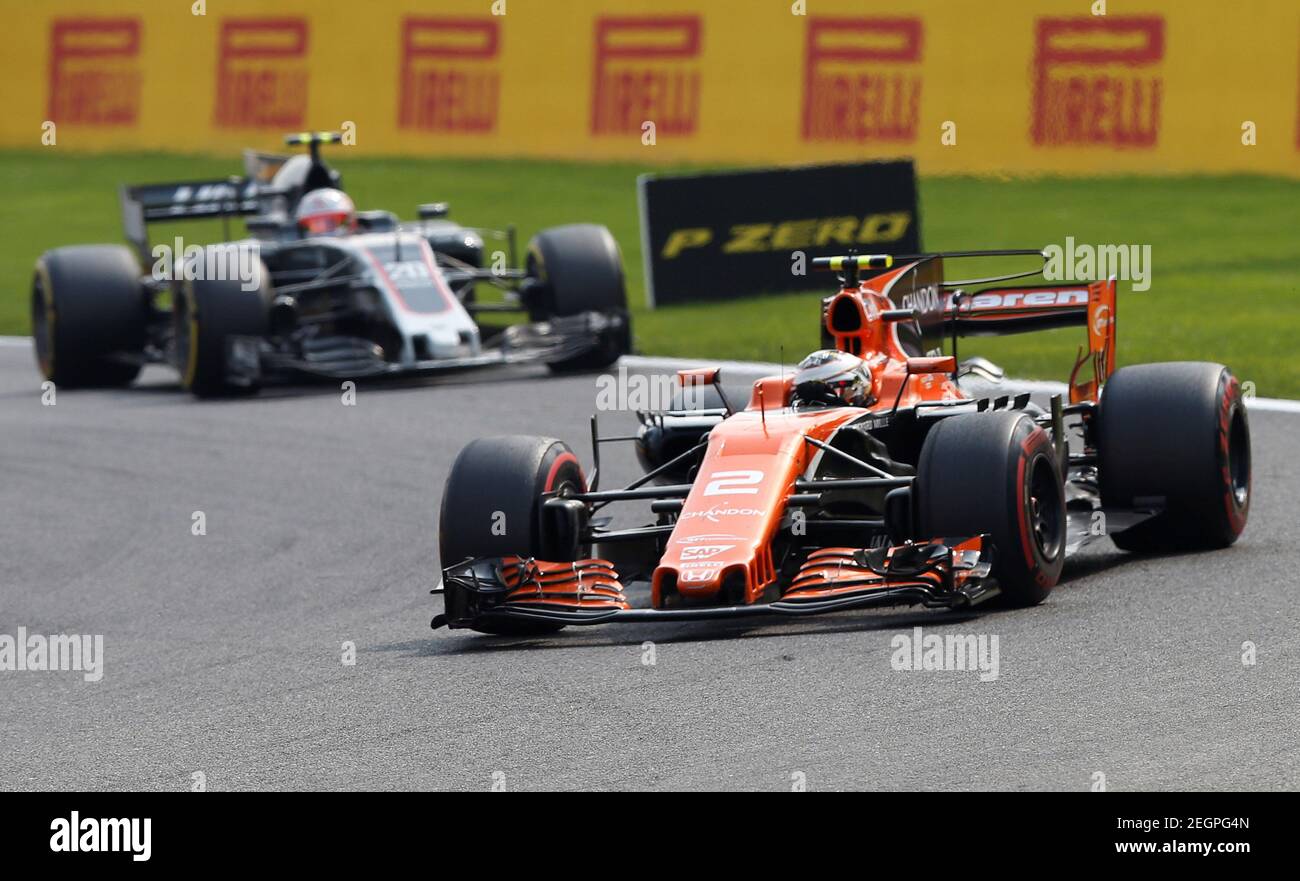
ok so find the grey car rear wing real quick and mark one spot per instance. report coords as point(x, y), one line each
point(187, 200)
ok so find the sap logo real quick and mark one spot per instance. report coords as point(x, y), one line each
point(1030, 299)
point(703, 552)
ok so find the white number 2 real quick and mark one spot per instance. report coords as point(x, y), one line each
point(734, 483)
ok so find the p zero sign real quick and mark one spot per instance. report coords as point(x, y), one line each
point(714, 236)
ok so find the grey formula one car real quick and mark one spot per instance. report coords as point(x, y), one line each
point(392, 298)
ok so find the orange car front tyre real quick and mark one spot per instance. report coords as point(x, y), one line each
point(491, 507)
point(997, 473)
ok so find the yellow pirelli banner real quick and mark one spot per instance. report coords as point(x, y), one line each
point(985, 86)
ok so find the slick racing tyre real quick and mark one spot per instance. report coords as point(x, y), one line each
point(89, 316)
point(997, 473)
point(205, 314)
point(1175, 435)
point(492, 508)
point(576, 269)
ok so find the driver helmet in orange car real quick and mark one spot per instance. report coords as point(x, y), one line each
point(835, 378)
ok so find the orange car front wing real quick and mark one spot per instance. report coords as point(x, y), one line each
point(942, 573)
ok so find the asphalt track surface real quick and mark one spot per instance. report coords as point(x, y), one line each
point(223, 652)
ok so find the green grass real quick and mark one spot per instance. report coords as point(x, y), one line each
point(1225, 250)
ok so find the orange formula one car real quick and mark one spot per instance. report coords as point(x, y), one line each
point(867, 476)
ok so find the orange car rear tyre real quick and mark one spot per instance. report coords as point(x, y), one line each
point(1176, 434)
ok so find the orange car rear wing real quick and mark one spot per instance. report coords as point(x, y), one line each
point(1004, 310)
point(1101, 342)
point(996, 311)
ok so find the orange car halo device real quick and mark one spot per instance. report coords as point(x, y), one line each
point(923, 487)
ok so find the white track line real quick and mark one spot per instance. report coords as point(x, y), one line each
point(1274, 405)
point(639, 362)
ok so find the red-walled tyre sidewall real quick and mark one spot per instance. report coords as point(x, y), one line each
point(491, 507)
point(997, 473)
point(1176, 435)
